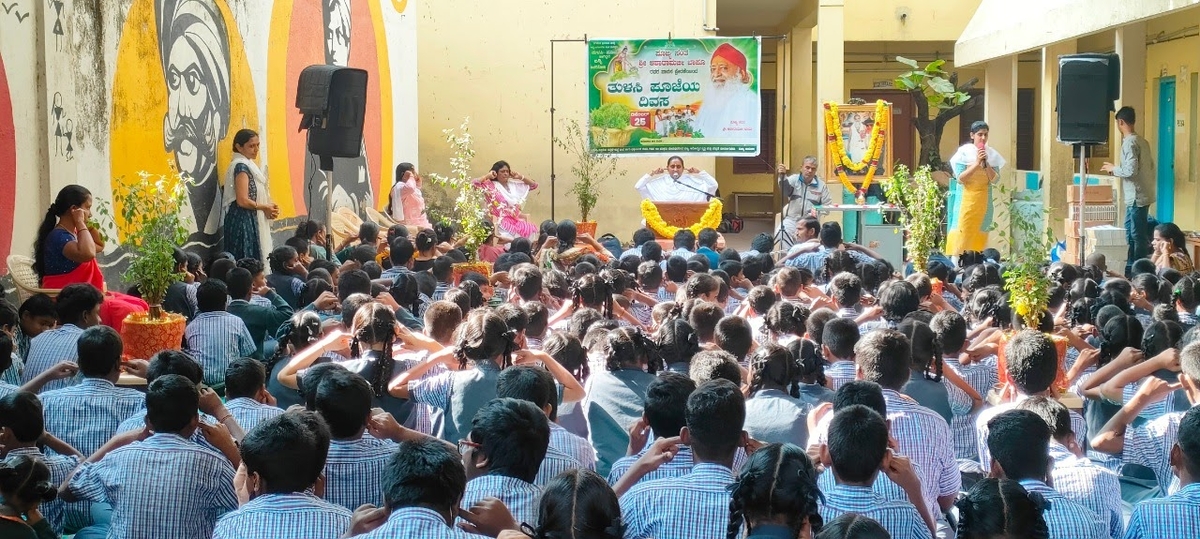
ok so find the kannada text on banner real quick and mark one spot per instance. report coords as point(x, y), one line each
point(660, 96)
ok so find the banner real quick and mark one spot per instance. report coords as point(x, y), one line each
point(668, 96)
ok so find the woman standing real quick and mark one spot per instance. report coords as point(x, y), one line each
point(976, 167)
point(247, 202)
point(1170, 249)
point(406, 203)
point(506, 192)
point(65, 252)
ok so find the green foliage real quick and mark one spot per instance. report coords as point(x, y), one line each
point(471, 206)
point(1028, 249)
point(933, 82)
point(921, 202)
point(591, 169)
point(610, 116)
point(150, 222)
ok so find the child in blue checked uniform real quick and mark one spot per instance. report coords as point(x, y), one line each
point(422, 486)
point(1001, 508)
point(776, 495)
point(1177, 515)
point(502, 454)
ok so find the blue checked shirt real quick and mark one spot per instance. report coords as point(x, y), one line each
point(12, 376)
point(840, 373)
point(1078, 426)
point(165, 486)
point(439, 291)
point(1177, 515)
point(678, 466)
point(899, 517)
point(60, 467)
point(883, 486)
point(272, 516)
point(49, 348)
point(6, 388)
point(520, 497)
point(693, 506)
point(1092, 486)
point(575, 447)
point(249, 413)
point(216, 338)
point(87, 415)
point(1150, 445)
point(981, 376)
point(554, 463)
point(354, 471)
point(1065, 518)
point(415, 522)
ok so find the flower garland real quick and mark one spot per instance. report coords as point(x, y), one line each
point(710, 219)
point(874, 149)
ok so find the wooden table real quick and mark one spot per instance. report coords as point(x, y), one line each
point(131, 380)
point(1193, 242)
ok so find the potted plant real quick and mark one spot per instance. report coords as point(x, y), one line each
point(151, 225)
point(920, 200)
point(591, 171)
point(470, 207)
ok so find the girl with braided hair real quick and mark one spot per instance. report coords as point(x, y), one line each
point(615, 396)
point(577, 504)
point(24, 485)
point(774, 411)
point(775, 495)
point(301, 331)
point(702, 286)
point(483, 346)
point(785, 322)
point(593, 291)
point(925, 383)
point(1001, 508)
point(814, 387)
point(675, 344)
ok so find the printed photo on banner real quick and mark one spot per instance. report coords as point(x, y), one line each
point(660, 96)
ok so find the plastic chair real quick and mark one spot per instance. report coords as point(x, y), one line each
point(26, 280)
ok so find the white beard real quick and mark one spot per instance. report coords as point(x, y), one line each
point(724, 104)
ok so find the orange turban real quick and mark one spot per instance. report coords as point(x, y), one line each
point(730, 54)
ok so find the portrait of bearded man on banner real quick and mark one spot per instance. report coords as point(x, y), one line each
point(193, 46)
point(351, 177)
point(731, 106)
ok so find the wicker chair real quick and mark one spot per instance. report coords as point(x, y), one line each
point(27, 281)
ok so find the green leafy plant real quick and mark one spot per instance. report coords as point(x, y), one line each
point(1028, 249)
point(471, 206)
point(150, 223)
point(939, 98)
point(921, 202)
point(591, 169)
point(610, 116)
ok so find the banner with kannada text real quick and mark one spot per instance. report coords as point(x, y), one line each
point(669, 96)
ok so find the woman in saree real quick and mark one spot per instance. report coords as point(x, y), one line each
point(246, 202)
point(506, 192)
point(976, 167)
point(65, 253)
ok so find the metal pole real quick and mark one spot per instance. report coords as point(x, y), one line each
point(553, 175)
point(1082, 201)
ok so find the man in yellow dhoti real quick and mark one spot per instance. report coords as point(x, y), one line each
point(976, 166)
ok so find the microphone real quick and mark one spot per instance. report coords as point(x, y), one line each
point(981, 146)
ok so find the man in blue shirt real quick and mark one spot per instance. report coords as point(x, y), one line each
point(1177, 515)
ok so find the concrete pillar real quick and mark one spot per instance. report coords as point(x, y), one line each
point(1131, 47)
point(1000, 113)
point(831, 73)
point(1058, 166)
point(802, 111)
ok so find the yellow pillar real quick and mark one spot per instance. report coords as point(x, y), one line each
point(1058, 166)
point(1131, 47)
point(1000, 113)
point(802, 113)
point(831, 72)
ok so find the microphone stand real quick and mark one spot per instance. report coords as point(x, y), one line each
point(707, 195)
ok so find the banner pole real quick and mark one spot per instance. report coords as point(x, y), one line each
point(553, 126)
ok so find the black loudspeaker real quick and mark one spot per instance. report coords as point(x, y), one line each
point(1088, 84)
point(333, 101)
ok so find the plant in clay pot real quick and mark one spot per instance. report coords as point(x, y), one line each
point(471, 205)
point(591, 171)
point(149, 221)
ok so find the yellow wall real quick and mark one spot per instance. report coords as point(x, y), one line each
point(1179, 58)
point(926, 20)
point(490, 61)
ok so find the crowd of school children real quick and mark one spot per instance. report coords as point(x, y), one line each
point(590, 389)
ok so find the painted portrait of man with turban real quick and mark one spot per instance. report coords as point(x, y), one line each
point(193, 46)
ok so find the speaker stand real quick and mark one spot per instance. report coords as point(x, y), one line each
point(1082, 216)
point(326, 167)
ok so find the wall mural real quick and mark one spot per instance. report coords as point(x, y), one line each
point(8, 167)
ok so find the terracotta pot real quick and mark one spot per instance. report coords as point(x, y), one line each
point(143, 337)
point(586, 227)
point(458, 270)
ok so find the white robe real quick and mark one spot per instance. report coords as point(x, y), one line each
point(734, 116)
point(688, 188)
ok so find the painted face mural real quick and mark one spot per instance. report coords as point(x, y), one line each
point(194, 50)
point(336, 14)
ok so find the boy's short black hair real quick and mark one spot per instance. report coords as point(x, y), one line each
point(733, 335)
point(845, 289)
point(353, 282)
point(239, 281)
point(99, 349)
point(863, 393)
point(1019, 441)
point(38, 305)
point(713, 365)
point(252, 265)
point(244, 377)
point(310, 381)
point(344, 400)
point(528, 280)
point(175, 362)
point(677, 268)
point(527, 383)
point(288, 451)
point(1032, 361)
point(424, 473)
point(666, 403)
point(513, 435)
point(684, 239)
point(841, 336)
point(21, 412)
point(9, 317)
point(1188, 440)
point(950, 328)
point(401, 251)
point(697, 264)
point(74, 300)
point(716, 413)
point(857, 443)
point(707, 238)
point(1056, 416)
point(539, 318)
point(704, 317)
point(212, 296)
point(363, 253)
point(884, 357)
point(171, 403)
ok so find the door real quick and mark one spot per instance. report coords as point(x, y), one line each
point(1166, 150)
point(903, 140)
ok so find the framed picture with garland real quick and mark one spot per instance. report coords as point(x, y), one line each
point(855, 128)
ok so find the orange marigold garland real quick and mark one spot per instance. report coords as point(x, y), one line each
point(710, 219)
point(870, 160)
